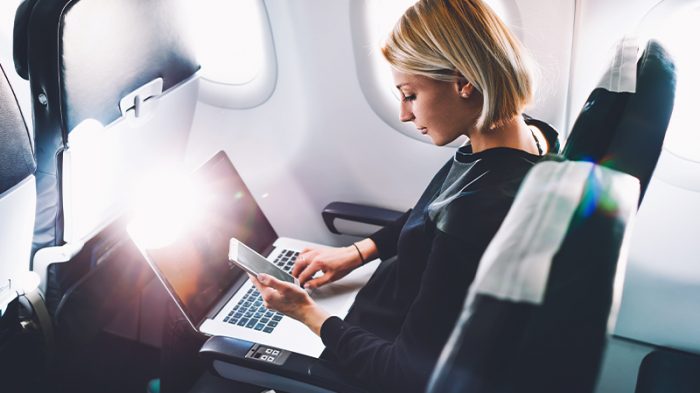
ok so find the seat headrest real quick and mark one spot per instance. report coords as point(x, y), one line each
point(636, 144)
point(86, 55)
point(623, 129)
point(595, 125)
point(16, 153)
point(19, 34)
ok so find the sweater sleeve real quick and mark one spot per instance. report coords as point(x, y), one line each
point(387, 238)
point(406, 363)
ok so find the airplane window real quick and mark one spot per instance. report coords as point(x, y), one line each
point(228, 40)
point(372, 21)
point(677, 34)
point(234, 46)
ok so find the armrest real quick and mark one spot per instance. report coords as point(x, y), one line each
point(235, 359)
point(358, 213)
point(666, 370)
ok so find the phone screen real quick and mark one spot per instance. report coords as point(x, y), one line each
point(255, 263)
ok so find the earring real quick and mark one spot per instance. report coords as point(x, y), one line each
point(465, 95)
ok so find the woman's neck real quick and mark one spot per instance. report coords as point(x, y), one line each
point(513, 133)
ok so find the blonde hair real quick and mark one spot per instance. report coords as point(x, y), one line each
point(449, 39)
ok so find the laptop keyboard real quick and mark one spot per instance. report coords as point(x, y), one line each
point(250, 313)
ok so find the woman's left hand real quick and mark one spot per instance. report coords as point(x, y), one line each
point(291, 300)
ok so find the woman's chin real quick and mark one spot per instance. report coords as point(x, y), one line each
point(437, 141)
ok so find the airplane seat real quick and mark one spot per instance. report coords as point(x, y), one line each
point(537, 314)
point(17, 204)
point(541, 324)
point(114, 88)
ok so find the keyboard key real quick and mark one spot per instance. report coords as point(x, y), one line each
point(265, 320)
point(259, 326)
point(226, 319)
point(277, 318)
point(272, 324)
point(242, 322)
point(268, 329)
point(250, 323)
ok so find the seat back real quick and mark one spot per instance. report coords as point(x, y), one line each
point(114, 90)
point(537, 314)
point(102, 62)
point(114, 86)
point(17, 187)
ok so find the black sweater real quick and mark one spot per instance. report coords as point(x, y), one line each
point(402, 318)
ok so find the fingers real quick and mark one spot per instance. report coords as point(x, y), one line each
point(264, 290)
point(270, 295)
point(317, 282)
point(300, 264)
point(309, 272)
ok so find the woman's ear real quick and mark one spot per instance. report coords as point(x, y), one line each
point(464, 87)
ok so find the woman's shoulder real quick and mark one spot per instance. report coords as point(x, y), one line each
point(474, 212)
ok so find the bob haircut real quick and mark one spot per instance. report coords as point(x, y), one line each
point(451, 39)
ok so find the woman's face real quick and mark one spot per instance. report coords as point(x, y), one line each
point(441, 110)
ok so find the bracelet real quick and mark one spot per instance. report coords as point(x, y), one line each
point(362, 259)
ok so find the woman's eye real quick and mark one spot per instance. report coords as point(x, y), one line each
point(409, 97)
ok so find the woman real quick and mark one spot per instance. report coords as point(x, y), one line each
point(459, 72)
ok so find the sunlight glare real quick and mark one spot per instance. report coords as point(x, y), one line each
point(165, 207)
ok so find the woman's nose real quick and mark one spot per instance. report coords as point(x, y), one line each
point(406, 114)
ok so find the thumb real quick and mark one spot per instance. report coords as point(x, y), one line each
point(269, 281)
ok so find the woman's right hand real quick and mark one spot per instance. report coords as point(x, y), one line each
point(334, 262)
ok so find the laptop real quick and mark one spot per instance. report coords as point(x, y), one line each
point(214, 294)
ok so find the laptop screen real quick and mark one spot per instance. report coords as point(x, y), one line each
point(195, 267)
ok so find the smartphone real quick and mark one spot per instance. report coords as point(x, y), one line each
point(254, 263)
